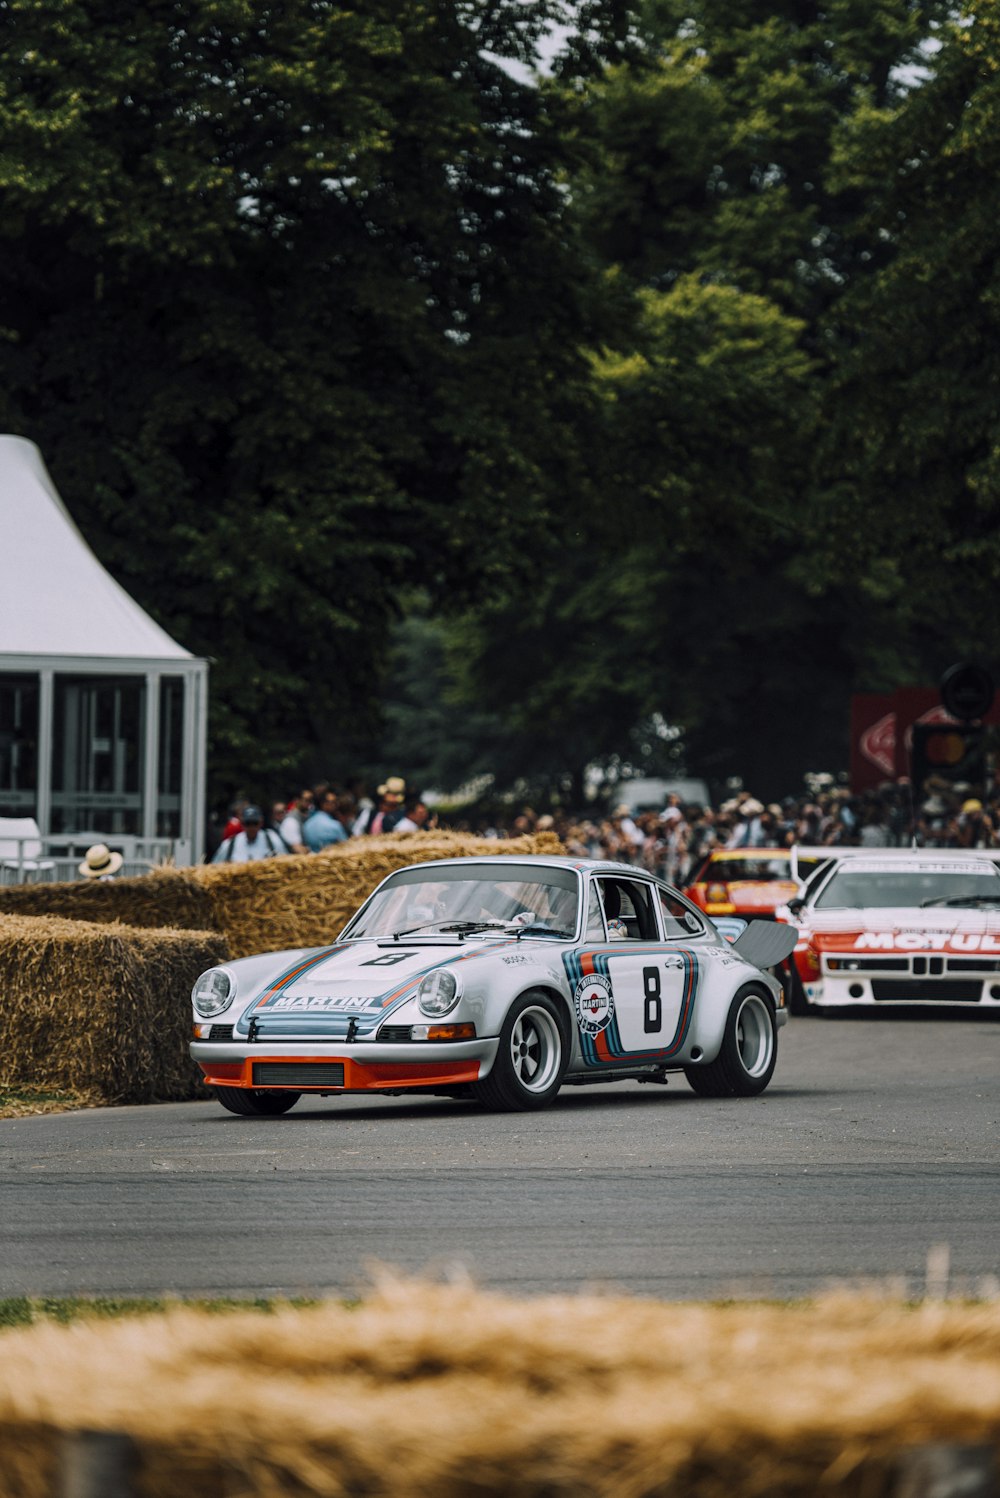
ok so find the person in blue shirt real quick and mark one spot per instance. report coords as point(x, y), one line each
point(323, 826)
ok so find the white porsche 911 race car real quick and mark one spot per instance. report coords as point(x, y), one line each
point(897, 926)
point(498, 978)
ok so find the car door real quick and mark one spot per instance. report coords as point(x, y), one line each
point(634, 980)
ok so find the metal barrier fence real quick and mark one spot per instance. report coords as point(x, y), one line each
point(51, 860)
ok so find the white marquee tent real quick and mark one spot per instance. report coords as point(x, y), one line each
point(102, 714)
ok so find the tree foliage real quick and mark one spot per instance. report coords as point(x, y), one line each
point(287, 300)
point(736, 564)
point(912, 494)
point(666, 382)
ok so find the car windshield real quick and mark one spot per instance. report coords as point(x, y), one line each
point(732, 870)
point(758, 869)
point(884, 888)
point(467, 897)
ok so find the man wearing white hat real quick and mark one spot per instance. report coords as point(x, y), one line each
point(384, 816)
point(748, 832)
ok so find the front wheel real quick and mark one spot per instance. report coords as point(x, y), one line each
point(256, 1102)
point(531, 1058)
point(745, 1063)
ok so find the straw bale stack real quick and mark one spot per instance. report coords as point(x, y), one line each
point(305, 900)
point(164, 897)
point(443, 1391)
point(300, 901)
point(100, 1008)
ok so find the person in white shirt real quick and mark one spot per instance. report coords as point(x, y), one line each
point(414, 818)
point(291, 824)
point(254, 842)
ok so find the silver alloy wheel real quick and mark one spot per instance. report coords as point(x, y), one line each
point(754, 1035)
point(535, 1049)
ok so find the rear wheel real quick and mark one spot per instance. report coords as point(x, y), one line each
point(531, 1058)
point(256, 1102)
point(745, 1063)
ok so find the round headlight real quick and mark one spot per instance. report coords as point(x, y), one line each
point(438, 992)
point(214, 991)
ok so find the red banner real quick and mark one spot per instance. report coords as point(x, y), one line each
point(882, 731)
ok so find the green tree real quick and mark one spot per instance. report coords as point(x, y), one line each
point(692, 494)
point(709, 184)
point(288, 300)
point(913, 501)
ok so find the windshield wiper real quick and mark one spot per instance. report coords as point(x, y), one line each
point(961, 900)
point(461, 927)
point(538, 929)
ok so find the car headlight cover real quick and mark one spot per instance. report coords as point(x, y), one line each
point(214, 991)
point(438, 992)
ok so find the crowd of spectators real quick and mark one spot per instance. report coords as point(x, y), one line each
point(674, 841)
point(671, 840)
point(317, 816)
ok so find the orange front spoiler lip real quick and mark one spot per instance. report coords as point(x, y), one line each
point(359, 1076)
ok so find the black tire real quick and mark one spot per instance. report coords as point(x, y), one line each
point(256, 1102)
point(746, 1060)
point(531, 1058)
point(795, 994)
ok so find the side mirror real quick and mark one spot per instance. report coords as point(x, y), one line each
point(796, 905)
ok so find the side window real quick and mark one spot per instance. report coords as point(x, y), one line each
point(595, 921)
point(631, 905)
point(677, 919)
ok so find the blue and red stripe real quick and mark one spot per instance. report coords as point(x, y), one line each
point(606, 1047)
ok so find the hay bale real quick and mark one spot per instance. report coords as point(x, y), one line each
point(164, 897)
point(300, 901)
point(429, 1391)
point(305, 900)
point(100, 1008)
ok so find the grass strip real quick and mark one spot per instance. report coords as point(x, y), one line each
point(23, 1310)
point(17, 1100)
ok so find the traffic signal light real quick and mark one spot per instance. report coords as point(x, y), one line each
point(948, 751)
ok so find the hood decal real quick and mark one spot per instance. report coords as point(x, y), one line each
point(290, 974)
point(278, 1002)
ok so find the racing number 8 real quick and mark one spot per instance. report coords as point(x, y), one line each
point(652, 1013)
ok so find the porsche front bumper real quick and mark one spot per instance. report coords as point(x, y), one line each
point(334, 1066)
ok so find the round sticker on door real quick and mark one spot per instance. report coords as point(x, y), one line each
point(594, 1003)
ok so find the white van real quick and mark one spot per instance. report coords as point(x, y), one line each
point(651, 795)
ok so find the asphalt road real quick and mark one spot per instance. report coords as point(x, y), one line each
point(877, 1143)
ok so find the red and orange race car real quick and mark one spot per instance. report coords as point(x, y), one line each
point(751, 882)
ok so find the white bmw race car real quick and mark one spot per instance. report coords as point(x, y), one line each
point(898, 927)
point(498, 978)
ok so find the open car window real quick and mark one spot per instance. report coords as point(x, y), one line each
point(628, 909)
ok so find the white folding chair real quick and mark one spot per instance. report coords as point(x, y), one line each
point(20, 852)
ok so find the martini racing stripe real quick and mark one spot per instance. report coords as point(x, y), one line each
point(395, 997)
point(280, 984)
point(606, 1047)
